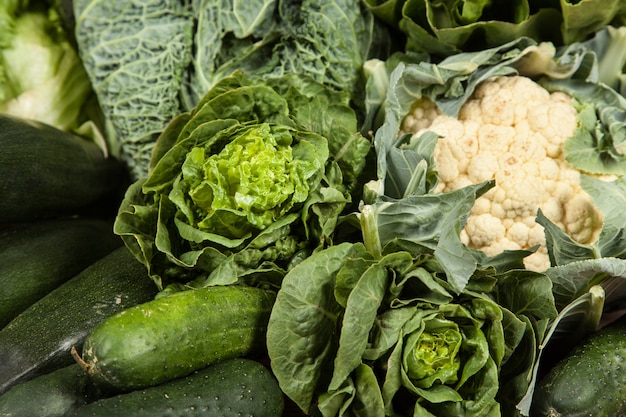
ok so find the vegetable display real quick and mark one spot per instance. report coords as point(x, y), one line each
point(330, 208)
point(497, 168)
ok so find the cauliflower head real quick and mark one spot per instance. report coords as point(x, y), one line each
point(511, 130)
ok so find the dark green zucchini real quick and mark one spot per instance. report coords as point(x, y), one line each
point(45, 172)
point(50, 395)
point(235, 387)
point(589, 381)
point(171, 336)
point(39, 340)
point(37, 257)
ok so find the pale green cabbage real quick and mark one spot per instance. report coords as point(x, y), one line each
point(41, 75)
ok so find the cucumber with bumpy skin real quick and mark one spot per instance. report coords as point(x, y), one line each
point(174, 335)
point(589, 381)
point(39, 339)
point(231, 388)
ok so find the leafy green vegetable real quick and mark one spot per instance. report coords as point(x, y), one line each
point(135, 56)
point(244, 184)
point(328, 41)
point(352, 332)
point(444, 27)
point(150, 61)
point(41, 75)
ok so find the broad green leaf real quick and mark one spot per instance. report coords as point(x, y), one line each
point(526, 293)
point(303, 322)
point(576, 278)
point(575, 321)
point(136, 72)
point(361, 310)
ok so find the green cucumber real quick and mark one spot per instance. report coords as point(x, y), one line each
point(173, 335)
point(39, 340)
point(45, 172)
point(37, 257)
point(50, 395)
point(589, 381)
point(235, 387)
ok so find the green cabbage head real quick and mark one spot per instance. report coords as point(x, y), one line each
point(448, 359)
point(352, 333)
point(246, 183)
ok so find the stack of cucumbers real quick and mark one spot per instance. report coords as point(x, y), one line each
point(82, 332)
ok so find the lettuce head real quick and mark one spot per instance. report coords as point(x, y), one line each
point(246, 183)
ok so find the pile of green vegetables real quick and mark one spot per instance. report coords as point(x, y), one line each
point(334, 208)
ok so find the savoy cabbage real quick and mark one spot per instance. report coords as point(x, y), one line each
point(148, 62)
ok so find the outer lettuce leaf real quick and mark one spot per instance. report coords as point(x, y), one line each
point(582, 18)
point(348, 327)
point(301, 333)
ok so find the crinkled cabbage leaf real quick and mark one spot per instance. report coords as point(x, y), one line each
point(150, 61)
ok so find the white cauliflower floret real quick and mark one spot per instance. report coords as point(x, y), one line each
point(512, 130)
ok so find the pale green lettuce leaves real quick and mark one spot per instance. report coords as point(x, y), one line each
point(245, 184)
